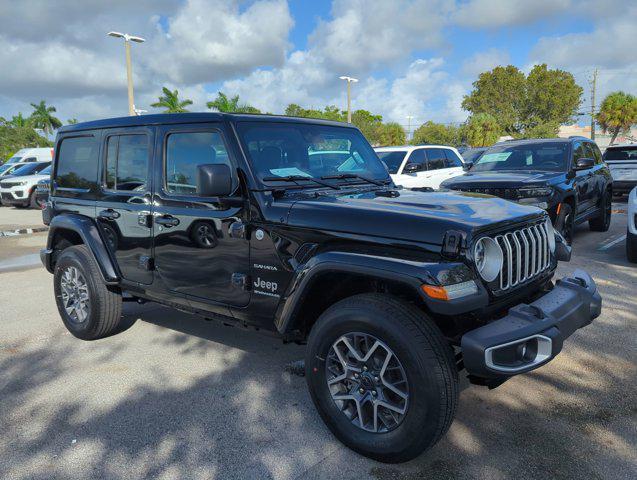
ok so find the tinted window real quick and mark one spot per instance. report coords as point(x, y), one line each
point(623, 153)
point(417, 157)
point(392, 160)
point(184, 152)
point(30, 159)
point(283, 149)
point(77, 162)
point(579, 151)
point(30, 169)
point(452, 159)
point(126, 162)
point(472, 154)
point(545, 156)
point(436, 158)
point(597, 154)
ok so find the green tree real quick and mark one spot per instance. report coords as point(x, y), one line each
point(331, 112)
point(42, 118)
point(19, 121)
point(367, 123)
point(231, 105)
point(170, 101)
point(71, 121)
point(390, 133)
point(14, 138)
point(518, 102)
point(436, 134)
point(617, 113)
point(542, 130)
point(481, 130)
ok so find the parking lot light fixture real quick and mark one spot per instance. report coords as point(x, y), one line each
point(129, 68)
point(349, 80)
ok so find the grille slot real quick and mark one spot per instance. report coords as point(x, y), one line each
point(525, 255)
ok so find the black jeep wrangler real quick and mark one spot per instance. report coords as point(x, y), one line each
point(564, 176)
point(294, 226)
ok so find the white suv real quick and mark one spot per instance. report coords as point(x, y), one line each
point(419, 166)
point(19, 190)
point(631, 235)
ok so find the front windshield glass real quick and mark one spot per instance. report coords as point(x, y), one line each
point(27, 169)
point(307, 150)
point(392, 159)
point(4, 168)
point(472, 154)
point(14, 159)
point(543, 156)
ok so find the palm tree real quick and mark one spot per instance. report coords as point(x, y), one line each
point(19, 121)
point(617, 113)
point(230, 105)
point(170, 101)
point(71, 121)
point(43, 119)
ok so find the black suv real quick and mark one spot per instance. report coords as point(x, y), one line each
point(255, 221)
point(564, 176)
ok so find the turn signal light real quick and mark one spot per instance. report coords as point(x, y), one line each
point(450, 292)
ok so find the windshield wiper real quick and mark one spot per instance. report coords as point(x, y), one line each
point(295, 178)
point(344, 176)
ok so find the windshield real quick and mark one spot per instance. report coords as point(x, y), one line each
point(46, 171)
point(14, 160)
point(472, 154)
point(549, 156)
point(29, 169)
point(306, 150)
point(624, 153)
point(4, 168)
point(392, 159)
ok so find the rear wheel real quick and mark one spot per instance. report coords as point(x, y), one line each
point(89, 309)
point(382, 377)
point(631, 247)
point(601, 223)
point(33, 201)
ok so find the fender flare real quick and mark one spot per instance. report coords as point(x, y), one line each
point(413, 274)
point(89, 233)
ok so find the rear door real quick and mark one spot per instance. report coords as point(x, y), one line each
point(123, 203)
point(436, 167)
point(195, 253)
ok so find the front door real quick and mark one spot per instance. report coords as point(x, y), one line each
point(195, 253)
point(584, 180)
point(123, 201)
point(414, 179)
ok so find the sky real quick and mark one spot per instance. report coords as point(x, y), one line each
point(413, 58)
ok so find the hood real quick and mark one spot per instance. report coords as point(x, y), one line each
point(412, 216)
point(511, 179)
point(24, 178)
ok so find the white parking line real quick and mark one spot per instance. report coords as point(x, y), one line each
point(621, 238)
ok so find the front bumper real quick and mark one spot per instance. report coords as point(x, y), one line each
point(14, 196)
point(531, 335)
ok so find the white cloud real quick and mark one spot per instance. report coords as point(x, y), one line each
point(498, 13)
point(483, 61)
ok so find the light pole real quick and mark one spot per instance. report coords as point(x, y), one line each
point(409, 119)
point(350, 80)
point(129, 68)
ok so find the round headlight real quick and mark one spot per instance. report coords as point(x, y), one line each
point(550, 231)
point(488, 257)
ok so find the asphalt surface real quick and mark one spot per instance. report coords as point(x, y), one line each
point(177, 397)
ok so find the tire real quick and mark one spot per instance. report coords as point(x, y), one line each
point(417, 346)
point(33, 201)
point(631, 247)
point(76, 267)
point(565, 222)
point(601, 223)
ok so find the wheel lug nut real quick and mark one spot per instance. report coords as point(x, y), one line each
point(361, 390)
point(376, 379)
point(356, 375)
point(365, 368)
point(374, 392)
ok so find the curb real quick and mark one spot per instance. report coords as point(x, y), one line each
point(23, 231)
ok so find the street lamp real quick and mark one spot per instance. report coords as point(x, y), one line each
point(129, 68)
point(350, 80)
point(409, 119)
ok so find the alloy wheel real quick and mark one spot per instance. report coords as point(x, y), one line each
point(367, 382)
point(74, 293)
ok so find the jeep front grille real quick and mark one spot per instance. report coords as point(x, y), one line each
point(526, 255)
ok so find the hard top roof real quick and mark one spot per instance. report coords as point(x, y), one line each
point(200, 117)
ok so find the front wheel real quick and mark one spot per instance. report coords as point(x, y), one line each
point(565, 222)
point(631, 247)
point(382, 377)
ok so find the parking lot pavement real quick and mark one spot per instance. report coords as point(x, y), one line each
point(12, 218)
point(174, 396)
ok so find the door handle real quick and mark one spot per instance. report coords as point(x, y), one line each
point(167, 221)
point(108, 214)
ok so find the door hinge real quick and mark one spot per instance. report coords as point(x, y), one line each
point(146, 263)
point(241, 280)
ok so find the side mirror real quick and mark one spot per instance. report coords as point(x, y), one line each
point(584, 164)
point(214, 180)
point(466, 166)
point(411, 168)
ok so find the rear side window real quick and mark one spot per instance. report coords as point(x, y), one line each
point(77, 162)
point(436, 158)
point(452, 160)
point(127, 162)
point(184, 152)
